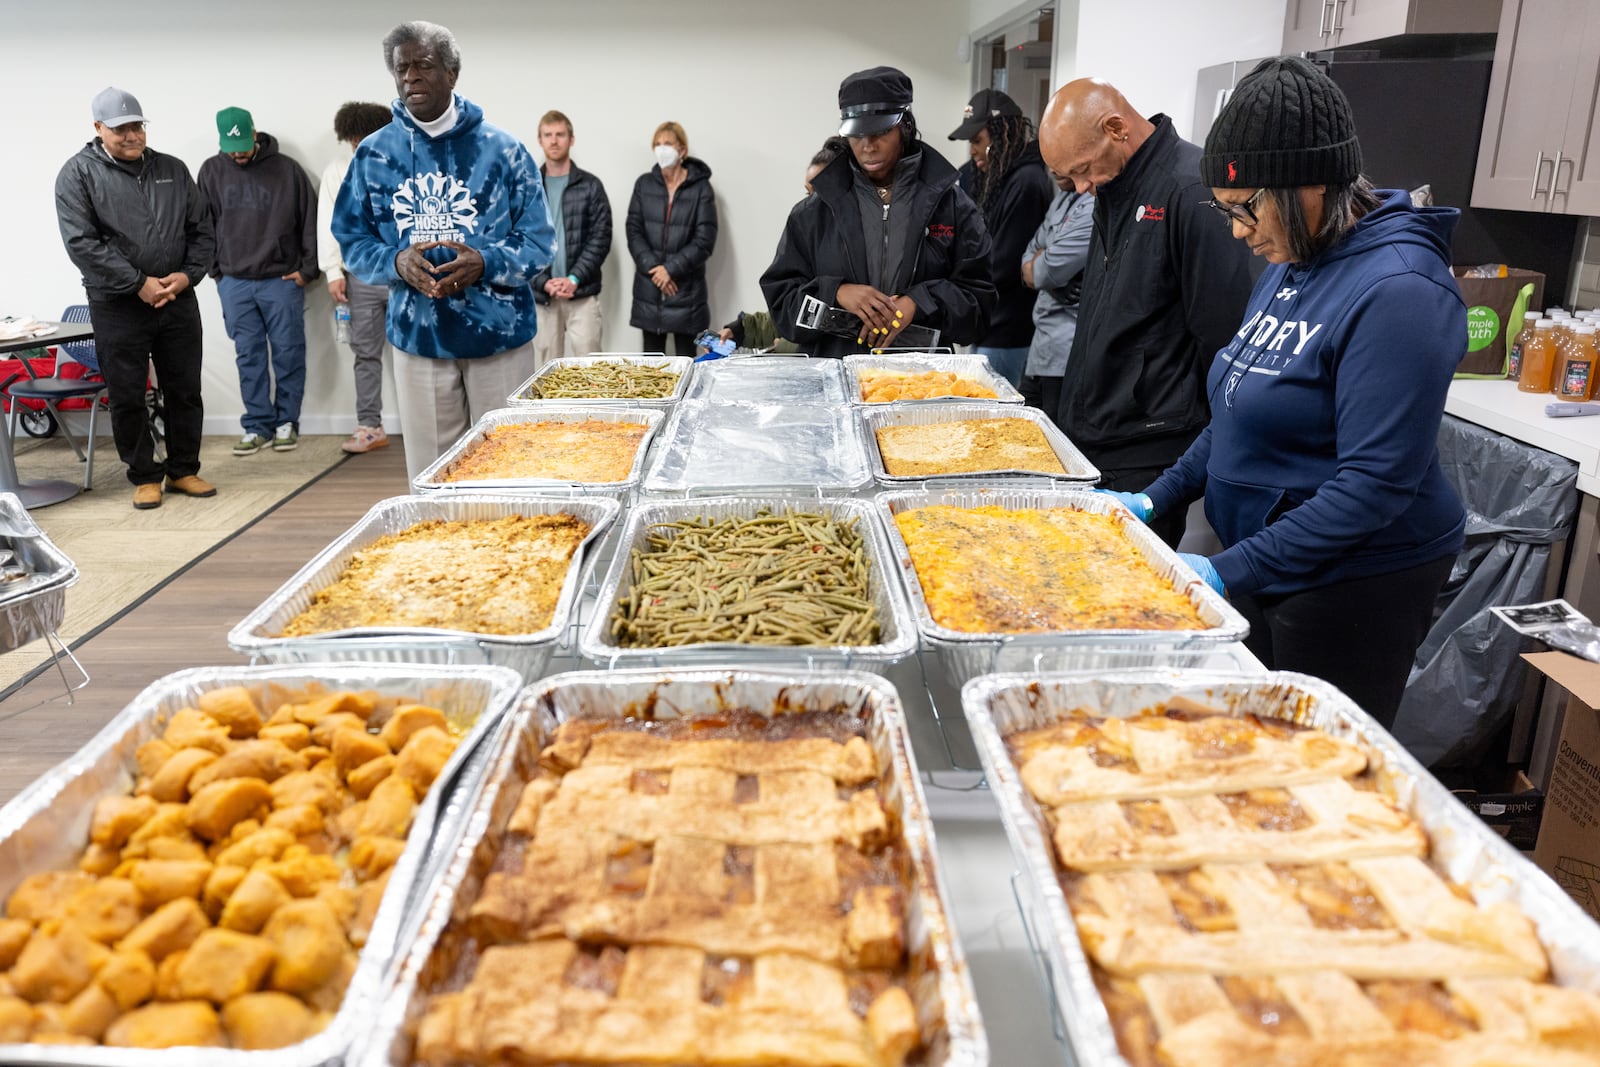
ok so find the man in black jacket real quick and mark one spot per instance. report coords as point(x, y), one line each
point(136, 226)
point(568, 291)
point(266, 215)
point(888, 235)
point(1164, 289)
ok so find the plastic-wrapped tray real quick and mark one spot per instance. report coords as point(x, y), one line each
point(524, 396)
point(710, 448)
point(946, 1004)
point(433, 480)
point(975, 367)
point(768, 380)
point(1464, 848)
point(47, 825)
point(898, 634)
point(256, 635)
point(32, 606)
point(874, 417)
point(969, 654)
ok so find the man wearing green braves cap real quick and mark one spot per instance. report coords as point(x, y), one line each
point(266, 216)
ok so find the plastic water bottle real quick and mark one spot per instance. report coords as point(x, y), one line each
point(341, 322)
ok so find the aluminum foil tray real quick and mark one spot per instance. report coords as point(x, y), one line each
point(946, 1004)
point(974, 367)
point(433, 480)
point(768, 380)
point(874, 417)
point(524, 397)
point(256, 635)
point(898, 633)
point(47, 825)
point(32, 606)
point(969, 654)
point(1467, 851)
point(710, 448)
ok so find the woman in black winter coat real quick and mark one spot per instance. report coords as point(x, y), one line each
point(672, 230)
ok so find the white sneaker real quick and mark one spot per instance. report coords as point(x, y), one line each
point(284, 439)
point(365, 439)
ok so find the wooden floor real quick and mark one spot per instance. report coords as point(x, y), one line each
point(185, 622)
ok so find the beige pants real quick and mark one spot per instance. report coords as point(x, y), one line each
point(440, 399)
point(567, 328)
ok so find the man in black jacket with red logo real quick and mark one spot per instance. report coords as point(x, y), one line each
point(888, 235)
point(1164, 288)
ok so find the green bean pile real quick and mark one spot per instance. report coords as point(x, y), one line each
point(605, 380)
point(778, 579)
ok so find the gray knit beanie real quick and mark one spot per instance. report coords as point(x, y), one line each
point(1286, 125)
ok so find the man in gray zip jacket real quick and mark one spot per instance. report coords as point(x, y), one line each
point(135, 225)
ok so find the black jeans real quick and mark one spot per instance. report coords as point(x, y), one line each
point(1361, 634)
point(683, 343)
point(129, 335)
point(1042, 392)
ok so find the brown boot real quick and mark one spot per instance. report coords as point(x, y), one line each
point(191, 485)
point(147, 496)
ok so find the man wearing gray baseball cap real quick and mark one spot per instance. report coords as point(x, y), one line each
point(136, 226)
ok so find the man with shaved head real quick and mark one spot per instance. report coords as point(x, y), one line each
point(1164, 289)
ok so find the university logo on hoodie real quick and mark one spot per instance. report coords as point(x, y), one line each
point(434, 207)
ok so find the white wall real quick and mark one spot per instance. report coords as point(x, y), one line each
point(1153, 49)
point(754, 82)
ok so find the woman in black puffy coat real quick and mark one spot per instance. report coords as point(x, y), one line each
point(672, 230)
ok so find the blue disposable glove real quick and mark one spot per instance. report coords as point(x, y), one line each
point(1205, 570)
point(1138, 503)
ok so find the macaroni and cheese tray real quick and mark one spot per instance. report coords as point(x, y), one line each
point(1247, 871)
point(930, 379)
point(228, 867)
point(525, 644)
point(768, 380)
point(694, 868)
point(946, 456)
point(613, 380)
point(749, 594)
point(1190, 618)
point(551, 447)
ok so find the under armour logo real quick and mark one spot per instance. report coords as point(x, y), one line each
point(1233, 170)
point(235, 132)
point(1286, 293)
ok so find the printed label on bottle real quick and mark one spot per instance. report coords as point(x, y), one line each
point(1575, 379)
point(1514, 363)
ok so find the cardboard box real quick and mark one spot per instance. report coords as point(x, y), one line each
point(1514, 812)
point(1569, 837)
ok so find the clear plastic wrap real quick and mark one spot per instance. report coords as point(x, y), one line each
point(710, 448)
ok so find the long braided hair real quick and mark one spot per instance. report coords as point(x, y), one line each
point(1008, 136)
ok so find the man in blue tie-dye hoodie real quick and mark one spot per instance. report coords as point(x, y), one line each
point(448, 211)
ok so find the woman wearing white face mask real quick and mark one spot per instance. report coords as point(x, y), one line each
point(672, 229)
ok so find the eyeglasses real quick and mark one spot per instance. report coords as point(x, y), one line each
point(1244, 211)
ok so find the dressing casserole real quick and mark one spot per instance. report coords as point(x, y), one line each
point(592, 450)
point(491, 576)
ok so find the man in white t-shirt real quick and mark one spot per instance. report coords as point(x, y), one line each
point(368, 304)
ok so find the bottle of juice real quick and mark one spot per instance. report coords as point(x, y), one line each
point(1539, 359)
point(1576, 378)
point(1524, 335)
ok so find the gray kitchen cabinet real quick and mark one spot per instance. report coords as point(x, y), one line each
point(1312, 25)
point(1538, 150)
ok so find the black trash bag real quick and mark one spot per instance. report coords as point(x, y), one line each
point(1467, 675)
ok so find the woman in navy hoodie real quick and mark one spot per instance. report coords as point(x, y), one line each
point(1319, 467)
